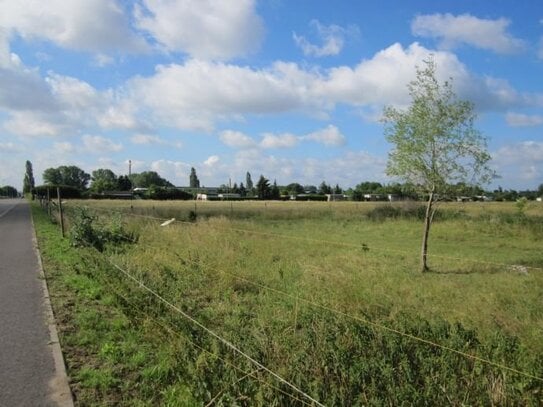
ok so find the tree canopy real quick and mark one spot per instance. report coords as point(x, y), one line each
point(103, 179)
point(263, 188)
point(148, 178)
point(435, 143)
point(67, 175)
point(294, 188)
point(123, 183)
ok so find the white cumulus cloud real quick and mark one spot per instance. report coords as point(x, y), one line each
point(208, 29)
point(73, 94)
point(236, 139)
point(329, 136)
point(31, 124)
point(332, 37)
point(285, 140)
point(99, 26)
point(467, 29)
point(212, 161)
point(195, 94)
point(520, 163)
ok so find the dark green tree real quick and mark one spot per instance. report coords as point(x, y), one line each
point(52, 176)
point(338, 190)
point(103, 179)
point(249, 183)
point(123, 183)
point(274, 192)
point(324, 188)
point(68, 175)
point(147, 178)
point(434, 143)
point(369, 187)
point(194, 182)
point(8, 191)
point(242, 190)
point(28, 181)
point(294, 188)
point(263, 188)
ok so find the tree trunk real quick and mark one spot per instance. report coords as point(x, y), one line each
point(427, 222)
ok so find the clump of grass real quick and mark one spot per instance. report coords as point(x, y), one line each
point(410, 210)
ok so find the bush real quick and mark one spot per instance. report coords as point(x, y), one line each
point(307, 197)
point(164, 193)
point(86, 231)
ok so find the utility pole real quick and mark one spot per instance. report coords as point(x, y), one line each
point(129, 168)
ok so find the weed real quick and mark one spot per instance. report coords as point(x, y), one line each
point(193, 216)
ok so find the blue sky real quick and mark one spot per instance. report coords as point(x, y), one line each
point(292, 90)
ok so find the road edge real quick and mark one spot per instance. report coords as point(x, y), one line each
point(60, 392)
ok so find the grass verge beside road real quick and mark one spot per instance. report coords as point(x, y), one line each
point(106, 352)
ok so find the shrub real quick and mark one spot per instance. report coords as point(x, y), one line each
point(164, 193)
point(86, 231)
point(82, 232)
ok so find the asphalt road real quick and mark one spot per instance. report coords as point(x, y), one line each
point(30, 374)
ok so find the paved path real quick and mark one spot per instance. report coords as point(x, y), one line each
point(31, 368)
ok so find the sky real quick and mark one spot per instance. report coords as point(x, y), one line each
point(293, 90)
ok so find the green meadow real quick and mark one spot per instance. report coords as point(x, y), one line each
point(327, 298)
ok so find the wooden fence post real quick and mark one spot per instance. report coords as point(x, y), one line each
point(48, 202)
point(60, 212)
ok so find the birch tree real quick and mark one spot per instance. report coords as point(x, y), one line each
point(435, 143)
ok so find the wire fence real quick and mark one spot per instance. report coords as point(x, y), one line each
point(56, 211)
point(359, 319)
point(362, 246)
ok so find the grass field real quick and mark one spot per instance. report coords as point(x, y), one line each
point(328, 296)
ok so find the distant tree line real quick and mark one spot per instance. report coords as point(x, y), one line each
point(75, 182)
point(7, 191)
